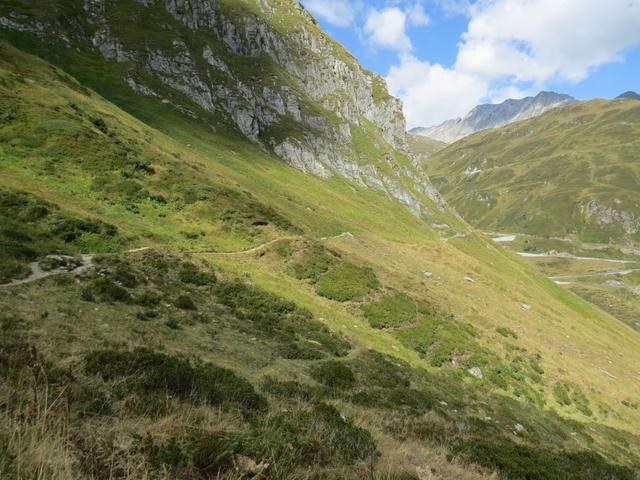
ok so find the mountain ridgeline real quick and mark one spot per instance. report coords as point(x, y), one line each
point(219, 261)
point(488, 116)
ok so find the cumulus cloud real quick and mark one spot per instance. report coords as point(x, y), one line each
point(417, 16)
point(514, 48)
point(432, 93)
point(386, 28)
point(340, 13)
point(544, 40)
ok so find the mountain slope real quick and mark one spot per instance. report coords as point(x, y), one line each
point(262, 70)
point(488, 116)
point(280, 323)
point(631, 95)
point(570, 172)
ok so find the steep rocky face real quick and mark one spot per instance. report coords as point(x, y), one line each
point(487, 116)
point(262, 66)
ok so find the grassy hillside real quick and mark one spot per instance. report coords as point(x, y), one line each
point(573, 172)
point(424, 147)
point(278, 323)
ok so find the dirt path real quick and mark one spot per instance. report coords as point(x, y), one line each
point(573, 257)
point(626, 271)
point(37, 273)
point(266, 244)
point(248, 250)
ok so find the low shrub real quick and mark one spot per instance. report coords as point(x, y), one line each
point(189, 273)
point(185, 302)
point(377, 369)
point(104, 289)
point(148, 371)
point(390, 311)
point(347, 282)
point(333, 374)
point(314, 262)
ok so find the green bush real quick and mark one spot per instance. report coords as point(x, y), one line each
point(273, 317)
point(189, 273)
point(104, 289)
point(408, 400)
point(377, 369)
point(333, 374)
point(313, 263)
point(527, 462)
point(347, 282)
point(185, 302)
point(390, 311)
point(315, 437)
point(148, 371)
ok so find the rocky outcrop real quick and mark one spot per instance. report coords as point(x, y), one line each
point(263, 66)
point(608, 216)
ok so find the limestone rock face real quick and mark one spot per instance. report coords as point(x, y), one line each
point(263, 67)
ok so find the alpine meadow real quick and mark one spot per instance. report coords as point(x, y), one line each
point(222, 256)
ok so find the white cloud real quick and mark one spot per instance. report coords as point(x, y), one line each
point(544, 40)
point(432, 93)
point(386, 28)
point(514, 48)
point(340, 13)
point(417, 16)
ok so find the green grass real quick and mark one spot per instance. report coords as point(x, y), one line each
point(539, 176)
point(260, 327)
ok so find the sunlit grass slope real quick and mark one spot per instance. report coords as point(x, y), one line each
point(573, 171)
point(279, 324)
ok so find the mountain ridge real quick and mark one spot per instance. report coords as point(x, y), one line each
point(630, 94)
point(487, 116)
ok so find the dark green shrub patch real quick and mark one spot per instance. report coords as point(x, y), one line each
point(333, 373)
point(185, 302)
point(388, 311)
point(402, 399)
point(156, 372)
point(274, 317)
point(104, 289)
point(347, 282)
point(294, 390)
point(314, 262)
point(189, 273)
point(376, 369)
point(320, 436)
point(525, 462)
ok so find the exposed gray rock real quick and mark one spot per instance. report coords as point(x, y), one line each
point(605, 215)
point(308, 116)
point(476, 372)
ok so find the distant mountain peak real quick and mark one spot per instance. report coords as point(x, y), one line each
point(630, 94)
point(490, 115)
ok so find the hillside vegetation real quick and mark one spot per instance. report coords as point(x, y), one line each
point(572, 172)
point(207, 311)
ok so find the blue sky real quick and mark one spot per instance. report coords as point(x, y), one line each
point(442, 57)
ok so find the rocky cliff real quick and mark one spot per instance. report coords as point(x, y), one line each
point(487, 116)
point(263, 67)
